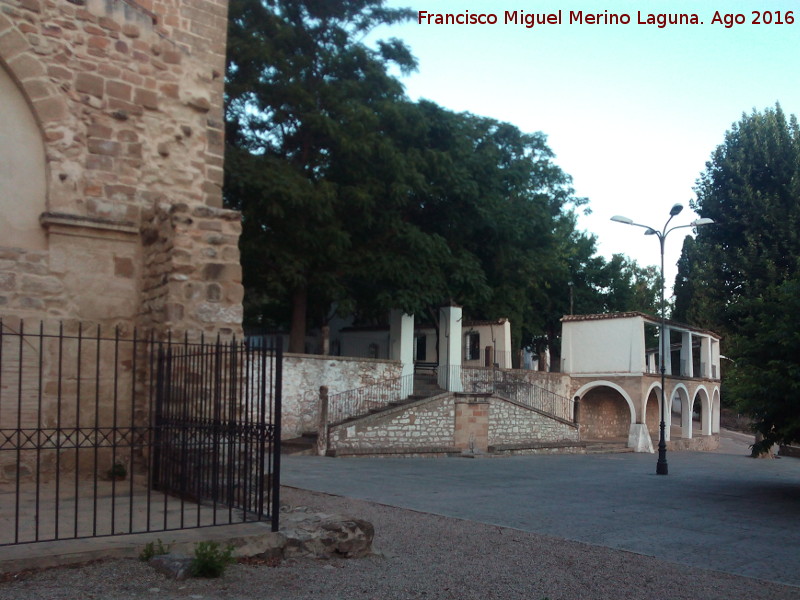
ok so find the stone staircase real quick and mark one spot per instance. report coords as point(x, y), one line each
point(425, 386)
point(607, 447)
point(305, 445)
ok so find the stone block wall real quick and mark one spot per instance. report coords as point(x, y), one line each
point(448, 424)
point(553, 382)
point(426, 426)
point(192, 276)
point(511, 423)
point(604, 414)
point(125, 102)
point(304, 374)
point(472, 424)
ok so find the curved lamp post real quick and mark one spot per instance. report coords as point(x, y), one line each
point(661, 465)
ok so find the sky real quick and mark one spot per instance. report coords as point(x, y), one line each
point(633, 112)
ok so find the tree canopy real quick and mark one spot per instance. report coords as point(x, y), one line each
point(356, 198)
point(734, 277)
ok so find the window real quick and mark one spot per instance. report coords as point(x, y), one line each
point(473, 349)
point(421, 351)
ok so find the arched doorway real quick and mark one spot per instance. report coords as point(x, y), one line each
point(652, 411)
point(606, 412)
point(701, 412)
point(23, 182)
point(681, 413)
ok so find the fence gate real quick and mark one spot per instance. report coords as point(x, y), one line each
point(110, 434)
point(214, 431)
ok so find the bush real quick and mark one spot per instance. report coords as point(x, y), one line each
point(152, 549)
point(210, 560)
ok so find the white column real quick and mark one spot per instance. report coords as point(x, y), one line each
point(705, 356)
point(687, 368)
point(686, 417)
point(715, 409)
point(667, 349)
point(450, 348)
point(715, 372)
point(401, 346)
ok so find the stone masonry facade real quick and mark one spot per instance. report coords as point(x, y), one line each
point(303, 374)
point(512, 423)
point(450, 423)
point(127, 101)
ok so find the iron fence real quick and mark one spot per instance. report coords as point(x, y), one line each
point(515, 385)
point(361, 401)
point(122, 433)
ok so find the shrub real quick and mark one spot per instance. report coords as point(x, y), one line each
point(210, 560)
point(152, 549)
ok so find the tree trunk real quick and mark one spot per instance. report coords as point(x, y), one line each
point(297, 335)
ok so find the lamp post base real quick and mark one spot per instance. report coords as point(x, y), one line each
point(662, 468)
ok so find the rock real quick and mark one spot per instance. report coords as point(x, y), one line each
point(173, 565)
point(324, 536)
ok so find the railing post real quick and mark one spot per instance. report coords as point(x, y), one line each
point(322, 430)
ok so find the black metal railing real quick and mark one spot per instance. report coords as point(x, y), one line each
point(360, 401)
point(123, 433)
point(515, 385)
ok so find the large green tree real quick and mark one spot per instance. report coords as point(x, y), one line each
point(302, 93)
point(733, 276)
point(356, 198)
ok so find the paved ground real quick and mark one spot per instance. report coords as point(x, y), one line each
point(721, 511)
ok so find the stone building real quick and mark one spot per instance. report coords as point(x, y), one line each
point(616, 378)
point(111, 165)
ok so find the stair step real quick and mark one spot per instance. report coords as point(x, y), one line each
point(305, 444)
point(607, 448)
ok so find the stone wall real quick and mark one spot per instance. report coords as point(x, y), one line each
point(652, 416)
point(553, 382)
point(448, 424)
point(604, 414)
point(511, 423)
point(192, 273)
point(125, 102)
point(423, 427)
point(304, 374)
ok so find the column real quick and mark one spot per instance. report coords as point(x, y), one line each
point(705, 356)
point(687, 367)
point(450, 348)
point(401, 347)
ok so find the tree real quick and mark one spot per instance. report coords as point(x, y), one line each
point(736, 276)
point(356, 198)
point(766, 377)
point(750, 188)
point(301, 88)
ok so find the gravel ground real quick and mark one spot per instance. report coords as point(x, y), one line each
point(417, 556)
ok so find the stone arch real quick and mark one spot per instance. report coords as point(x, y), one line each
point(705, 409)
point(46, 101)
point(684, 398)
point(602, 412)
point(715, 410)
point(652, 409)
point(29, 104)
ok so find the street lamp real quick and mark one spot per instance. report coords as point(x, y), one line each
point(661, 465)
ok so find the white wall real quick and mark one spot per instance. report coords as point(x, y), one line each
point(603, 346)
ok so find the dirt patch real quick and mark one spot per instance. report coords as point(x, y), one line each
point(730, 419)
